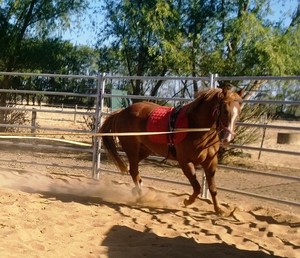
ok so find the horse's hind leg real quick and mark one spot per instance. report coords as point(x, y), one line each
point(189, 171)
point(135, 175)
point(135, 153)
point(134, 168)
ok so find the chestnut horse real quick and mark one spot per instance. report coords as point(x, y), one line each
point(215, 109)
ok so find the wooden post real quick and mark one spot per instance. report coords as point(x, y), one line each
point(75, 114)
point(263, 136)
point(33, 121)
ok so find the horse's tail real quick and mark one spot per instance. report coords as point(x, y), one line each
point(109, 142)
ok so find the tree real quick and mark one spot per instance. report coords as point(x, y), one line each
point(239, 40)
point(145, 37)
point(25, 19)
point(197, 37)
point(55, 56)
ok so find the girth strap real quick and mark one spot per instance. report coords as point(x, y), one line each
point(172, 122)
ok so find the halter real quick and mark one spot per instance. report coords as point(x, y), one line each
point(220, 126)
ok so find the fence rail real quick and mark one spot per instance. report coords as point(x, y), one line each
point(293, 128)
point(265, 149)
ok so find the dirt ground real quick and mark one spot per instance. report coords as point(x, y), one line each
point(52, 207)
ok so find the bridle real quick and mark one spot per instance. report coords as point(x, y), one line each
point(220, 127)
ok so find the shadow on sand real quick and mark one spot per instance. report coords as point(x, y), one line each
point(147, 244)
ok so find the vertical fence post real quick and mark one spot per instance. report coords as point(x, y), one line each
point(205, 190)
point(98, 115)
point(33, 121)
point(204, 193)
point(75, 113)
point(265, 121)
point(215, 80)
point(211, 81)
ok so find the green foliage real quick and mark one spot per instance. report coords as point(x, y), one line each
point(154, 37)
point(25, 19)
point(144, 35)
point(26, 27)
point(282, 91)
point(197, 37)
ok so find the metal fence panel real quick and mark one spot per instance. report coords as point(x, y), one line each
point(100, 95)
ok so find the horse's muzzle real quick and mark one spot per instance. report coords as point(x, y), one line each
point(226, 136)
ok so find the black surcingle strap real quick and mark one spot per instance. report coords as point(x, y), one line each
point(172, 122)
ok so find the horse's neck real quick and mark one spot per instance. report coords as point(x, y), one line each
point(202, 116)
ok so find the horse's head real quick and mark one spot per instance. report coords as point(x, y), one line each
point(227, 113)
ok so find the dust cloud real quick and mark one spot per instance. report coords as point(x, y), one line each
point(104, 189)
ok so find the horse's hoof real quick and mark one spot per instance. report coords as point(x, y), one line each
point(186, 202)
point(136, 191)
point(219, 212)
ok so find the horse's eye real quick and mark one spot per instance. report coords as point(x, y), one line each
point(224, 109)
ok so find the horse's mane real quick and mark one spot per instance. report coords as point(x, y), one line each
point(208, 95)
point(204, 96)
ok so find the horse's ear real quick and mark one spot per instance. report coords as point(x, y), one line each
point(196, 94)
point(225, 90)
point(226, 87)
point(241, 92)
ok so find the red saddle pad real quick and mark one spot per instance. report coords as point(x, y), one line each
point(158, 121)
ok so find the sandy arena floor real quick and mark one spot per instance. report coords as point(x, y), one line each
point(50, 207)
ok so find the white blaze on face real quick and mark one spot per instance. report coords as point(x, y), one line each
point(228, 136)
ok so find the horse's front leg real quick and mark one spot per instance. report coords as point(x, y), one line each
point(189, 171)
point(210, 178)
